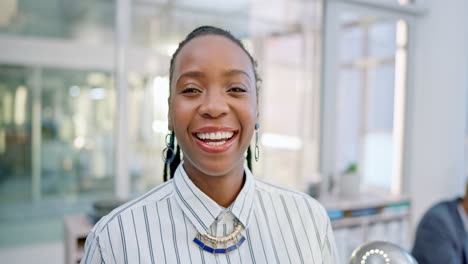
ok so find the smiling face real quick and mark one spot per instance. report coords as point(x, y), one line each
point(213, 105)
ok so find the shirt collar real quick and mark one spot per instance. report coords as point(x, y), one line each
point(201, 210)
point(242, 207)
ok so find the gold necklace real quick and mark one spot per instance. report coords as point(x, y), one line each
point(210, 243)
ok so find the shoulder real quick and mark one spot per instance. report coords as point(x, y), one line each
point(156, 195)
point(440, 220)
point(272, 189)
point(108, 229)
point(438, 224)
point(306, 206)
point(441, 211)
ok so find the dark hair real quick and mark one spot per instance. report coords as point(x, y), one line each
point(198, 32)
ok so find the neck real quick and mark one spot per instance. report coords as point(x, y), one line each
point(223, 189)
point(464, 203)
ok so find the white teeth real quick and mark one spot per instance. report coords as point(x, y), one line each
point(217, 135)
point(218, 143)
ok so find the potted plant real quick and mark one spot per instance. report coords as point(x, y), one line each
point(350, 182)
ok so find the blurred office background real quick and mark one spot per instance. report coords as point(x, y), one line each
point(380, 84)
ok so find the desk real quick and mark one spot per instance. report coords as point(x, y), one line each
point(372, 216)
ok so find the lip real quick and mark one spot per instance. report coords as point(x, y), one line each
point(215, 149)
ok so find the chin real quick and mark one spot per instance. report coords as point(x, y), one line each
point(215, 167)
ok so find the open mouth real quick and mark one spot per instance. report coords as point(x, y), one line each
point(215, 141)
point(215, 138)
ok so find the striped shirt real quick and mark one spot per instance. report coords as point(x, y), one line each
point(280, 226)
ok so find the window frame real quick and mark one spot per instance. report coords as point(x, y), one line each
point(331, 66)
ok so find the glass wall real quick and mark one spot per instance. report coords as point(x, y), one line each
point(15, 133)
point(147, 129)
point(89, 21)
point(56, 147)
point(77, 112)
point(75, 121)
point(57, 111)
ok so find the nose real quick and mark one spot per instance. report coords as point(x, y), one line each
point(214, 105)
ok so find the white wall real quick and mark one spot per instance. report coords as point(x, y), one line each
point(435, 160)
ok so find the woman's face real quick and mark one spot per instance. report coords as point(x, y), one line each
point(213, 104)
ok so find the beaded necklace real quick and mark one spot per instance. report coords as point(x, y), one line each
point(211, 244)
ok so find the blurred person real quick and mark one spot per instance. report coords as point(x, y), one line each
point(441, 236)
point(212, 209)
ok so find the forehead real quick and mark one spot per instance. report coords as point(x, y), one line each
point(212, 53)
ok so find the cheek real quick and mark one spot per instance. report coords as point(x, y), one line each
point(181, 114)
point(252, 110)
point(248, 115)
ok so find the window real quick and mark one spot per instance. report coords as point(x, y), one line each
point(368, 101)
point(366, 97)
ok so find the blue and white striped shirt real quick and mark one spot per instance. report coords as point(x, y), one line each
point(280, 226)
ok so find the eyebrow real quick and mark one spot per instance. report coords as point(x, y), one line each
point(193, 74)
point(199, 74)
point(236, 72)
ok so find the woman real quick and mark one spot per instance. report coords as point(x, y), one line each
point(213, 210)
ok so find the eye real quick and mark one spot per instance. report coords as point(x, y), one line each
point(191, 90)
point(237, 90)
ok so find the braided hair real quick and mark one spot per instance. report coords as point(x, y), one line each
point(198, 32)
